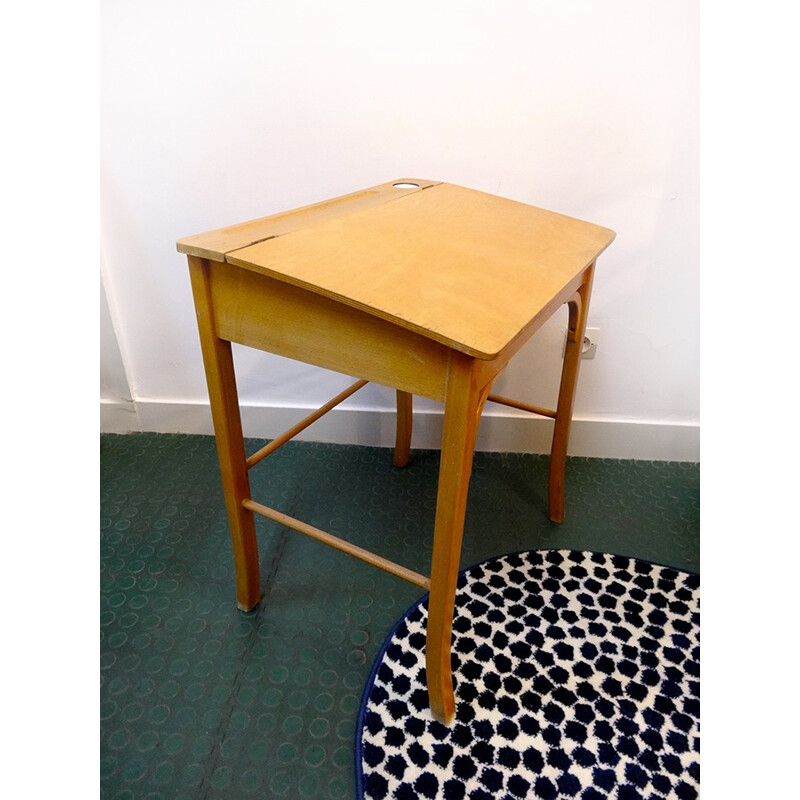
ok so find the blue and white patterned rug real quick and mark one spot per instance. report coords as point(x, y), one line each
point(577, 676)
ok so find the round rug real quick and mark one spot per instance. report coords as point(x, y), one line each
point(576, 675)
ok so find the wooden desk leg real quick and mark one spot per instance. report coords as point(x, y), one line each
point(578, 313)
point(221, 379)
point(463, 406)
point(402, 446)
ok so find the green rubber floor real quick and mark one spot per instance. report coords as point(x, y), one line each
point(199, 700)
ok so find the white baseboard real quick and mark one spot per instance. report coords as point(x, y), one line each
point(118, 417)
point(500, 430)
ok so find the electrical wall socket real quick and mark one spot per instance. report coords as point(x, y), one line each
point(590, 341)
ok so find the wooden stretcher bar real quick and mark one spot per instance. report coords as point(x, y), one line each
point(339, 544)
point(281, 440)
point(542, 412)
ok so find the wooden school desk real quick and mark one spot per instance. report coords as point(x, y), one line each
point(426, 287)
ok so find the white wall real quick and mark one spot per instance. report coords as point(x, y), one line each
point(215, 112)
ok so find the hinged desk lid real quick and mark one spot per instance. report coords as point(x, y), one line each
point(465, 268)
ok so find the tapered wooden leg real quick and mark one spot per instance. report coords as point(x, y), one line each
point(402, 445)
point(578, 313)
point(218, 361)
point(463, 406)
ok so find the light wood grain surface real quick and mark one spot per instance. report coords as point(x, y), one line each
point(464, 268)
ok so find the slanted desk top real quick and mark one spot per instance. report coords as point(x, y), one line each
point(464, 268)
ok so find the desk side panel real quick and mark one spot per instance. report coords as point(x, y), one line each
point(262, 312)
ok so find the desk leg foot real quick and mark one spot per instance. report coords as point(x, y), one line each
point(578, 313)
point(402, 446)
point(461, 418)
